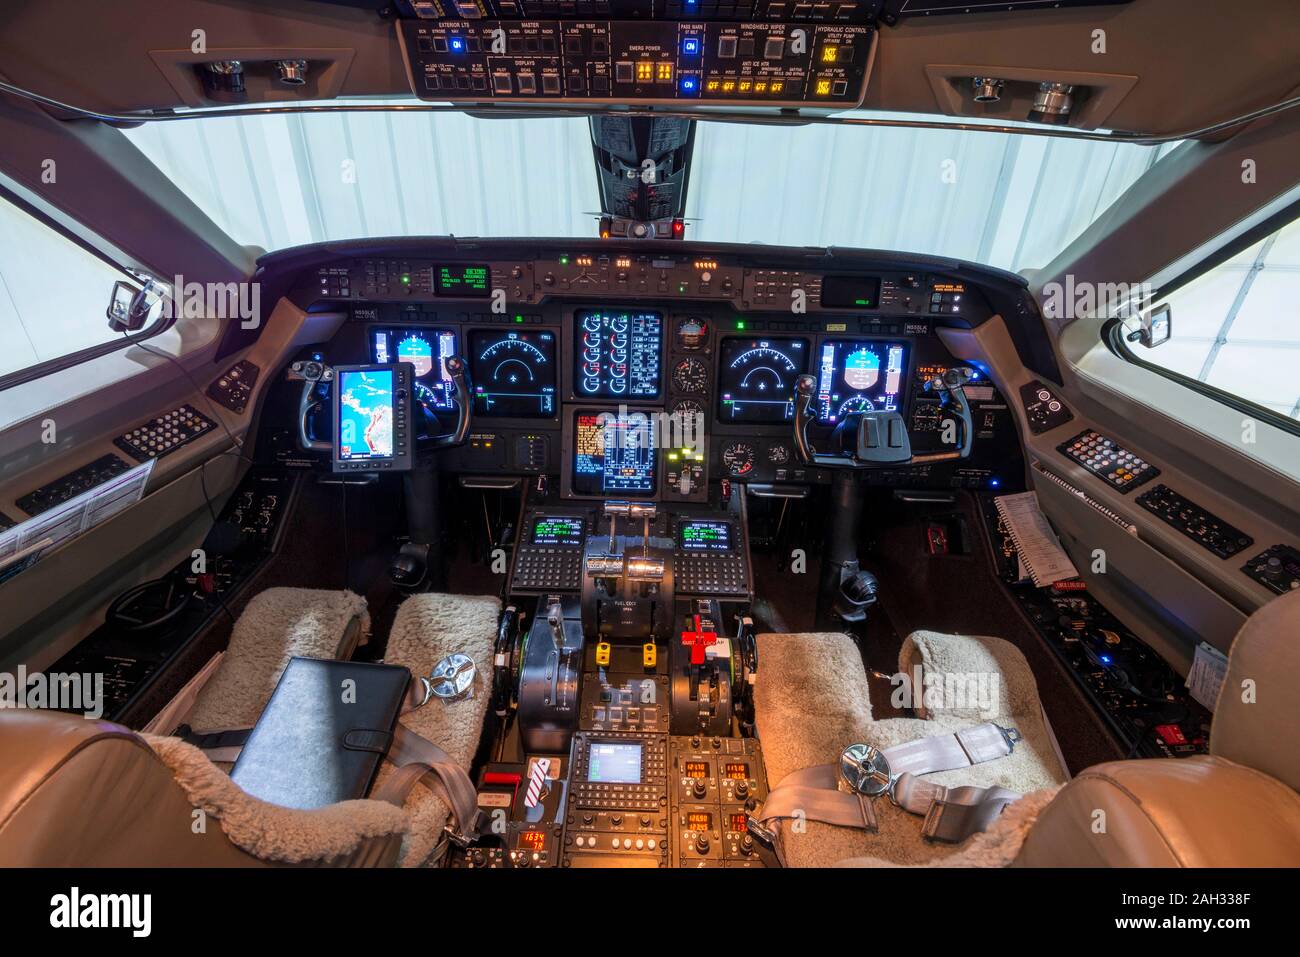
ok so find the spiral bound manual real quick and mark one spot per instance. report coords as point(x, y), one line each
point(1036, 544)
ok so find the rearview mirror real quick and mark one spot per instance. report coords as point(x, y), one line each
point(1157, 325)
point(129, 305)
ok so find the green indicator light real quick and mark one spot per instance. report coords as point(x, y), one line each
point(564, 260)
point(406, 280)
point(519, 318)
point(740, 323)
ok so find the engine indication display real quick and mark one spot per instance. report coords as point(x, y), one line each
point(513, 373)
point(756, 382)
point(618, 354)
point(613, 455)
point(858, 375)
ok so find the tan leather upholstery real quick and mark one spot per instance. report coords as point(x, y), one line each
point(1167, 812)
point(85, 793)
point(1236, 807)
point(1263, 665)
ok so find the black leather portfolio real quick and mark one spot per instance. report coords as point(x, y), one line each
point(323, 733)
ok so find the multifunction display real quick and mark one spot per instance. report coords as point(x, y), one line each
point(613, 455)
point(858, 375)
point(513, 373)
point(756, 378)
point(855, 292)
point(704, 536)
point(618, 354)
point(372, 411)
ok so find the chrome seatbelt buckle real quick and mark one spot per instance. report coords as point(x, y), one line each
point(865, 770)
point(1011, 736)
point(765, 834)
point(464, 837)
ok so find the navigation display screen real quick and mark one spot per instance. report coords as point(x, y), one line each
point(512, 373)
point(427, 350)
point(858, 375)
point(457, 280)
point(610, 763)
point(613, 455)
point(756, 378)
point(557, 530)
point(365, 419)
point(618, 354)
point(704, 536)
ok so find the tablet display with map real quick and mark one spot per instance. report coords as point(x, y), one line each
point(372, 417)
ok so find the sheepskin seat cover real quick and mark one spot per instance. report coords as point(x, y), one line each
point(352, 833)
point(428, 628)
point(277, 624)
point(812, 701)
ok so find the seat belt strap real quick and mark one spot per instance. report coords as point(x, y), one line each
point(217, 746)
point(419, 759)
point(947, 752)
point(951, 814)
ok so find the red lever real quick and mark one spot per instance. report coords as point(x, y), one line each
point(698, 640)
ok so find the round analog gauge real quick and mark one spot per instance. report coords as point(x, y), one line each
point(688, 409)
point(691, 333)
point(691, 376)
point(778, 455)
point(738, 458)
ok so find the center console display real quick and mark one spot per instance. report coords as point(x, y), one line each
point(427, 351)
point(704, 536)
point(756, 381)
point(371, 417)
point(613, 455)
point(513, 373)
point(858, 375)
point(618, 354)
point(559, 530)
point(614, 763)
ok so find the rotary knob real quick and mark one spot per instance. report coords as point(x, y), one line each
point(699, 789)
point(742, 789)
point(702, 844)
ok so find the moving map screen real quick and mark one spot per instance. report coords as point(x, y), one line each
point(364, 424)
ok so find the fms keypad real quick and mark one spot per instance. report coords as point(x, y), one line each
point(164, 434)
point(1115, 465)
point(710, 574)
point(548, 568)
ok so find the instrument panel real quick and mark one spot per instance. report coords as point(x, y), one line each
point(657, 395)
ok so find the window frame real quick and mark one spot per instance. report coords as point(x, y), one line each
point(1114, 338)
point(61, 363)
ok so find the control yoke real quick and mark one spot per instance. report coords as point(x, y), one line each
point(312, 372)
point(880, 438)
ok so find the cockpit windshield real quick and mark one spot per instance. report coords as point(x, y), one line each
point(1006, 200)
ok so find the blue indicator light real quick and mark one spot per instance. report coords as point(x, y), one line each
point(691, 46)
point(457, 44)
point(995, 482)
point(1105, 659)
point(690, 84)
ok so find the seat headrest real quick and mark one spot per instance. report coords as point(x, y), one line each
point(1259, 704)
